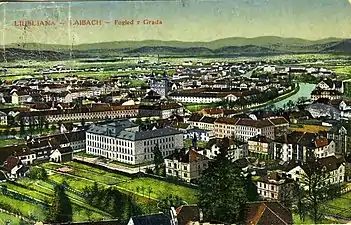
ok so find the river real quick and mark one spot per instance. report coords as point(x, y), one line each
point(305, 91)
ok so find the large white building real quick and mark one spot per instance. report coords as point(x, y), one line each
point(123, 141)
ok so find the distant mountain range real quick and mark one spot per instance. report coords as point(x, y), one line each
point(227, 46)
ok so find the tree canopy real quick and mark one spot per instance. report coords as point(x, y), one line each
point(222, 194)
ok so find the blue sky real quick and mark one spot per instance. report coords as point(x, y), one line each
point(195, 20)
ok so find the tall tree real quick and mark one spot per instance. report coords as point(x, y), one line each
point(222, 194)
point(315, 183)
point(251, 189)
point(61, 208)
point(22, 128)
point(158, 158)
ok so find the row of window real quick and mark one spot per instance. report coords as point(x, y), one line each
point(161, 140)
point(110, 155)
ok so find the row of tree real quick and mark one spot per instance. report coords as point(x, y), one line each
point(111, 200)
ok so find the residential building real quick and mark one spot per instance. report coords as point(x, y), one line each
point(163, 110)
point(339, 134)
point(275, 186)
point(235, 151)
point(22, 152)
point(185, 164)
point(329, 84)
point(281, 125)
point(202, 122)
point(212, 112)
point(261, 145)
point(302, 146)
point(123, 141)
point(14, 168)
point(327, 94)
point(20, 97)
point(246, 128)
point(3, 119)
point(201, 135)
point(335, 166)
point(225, 127)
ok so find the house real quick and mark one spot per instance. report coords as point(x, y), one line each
point(3, 119)
point(327, 94)
point(152, 219)
point(302, 146)
point(212, 112)
point(260, 145)
point(246, 128)
point(268, 213)
point(163, 110)
point(201, 135)
point(20, 97)
point(225, 127)
point(280, 124)
point(14, 168)
point(202, 122)
point(186, 164)
point(339, 134)
point(214, 145)
point(336, 167)
point(22, 152)
point(274, 186)
point(329, 84)
point(61, 155)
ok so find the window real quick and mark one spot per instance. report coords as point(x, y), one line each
point(272, 195)
point(185, 168)
point(185, 175)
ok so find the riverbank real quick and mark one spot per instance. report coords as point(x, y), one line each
point(278, 99)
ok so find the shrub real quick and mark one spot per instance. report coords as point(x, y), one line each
point(37, 173)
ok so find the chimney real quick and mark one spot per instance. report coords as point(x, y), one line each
point(285, 138)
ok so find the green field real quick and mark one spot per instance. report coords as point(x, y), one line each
point(340, 206)
point(198, 107)
point(9, 142)
point(6, 217)
point(42, 191)
point(308, 220)
point(86, 175)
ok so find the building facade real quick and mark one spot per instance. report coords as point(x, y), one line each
point(124, 142)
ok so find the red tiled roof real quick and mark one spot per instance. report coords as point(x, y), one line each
point(11, 162)
point(268, 213)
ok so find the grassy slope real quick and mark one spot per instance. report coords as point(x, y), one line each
point(160, 189)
